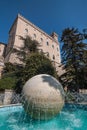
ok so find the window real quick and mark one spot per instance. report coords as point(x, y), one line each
point(34, 36)
point(57, 49)
point(41, 39)
point(53, 57)
point(26, 31)
point(47, 43)
point(53, 46)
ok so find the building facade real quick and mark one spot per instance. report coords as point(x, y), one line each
point(48, 43)
point(2, 53)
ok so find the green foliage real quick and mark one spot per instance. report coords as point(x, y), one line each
point(74, 59)
point(30, 46)
point(37, 63)
point(11, 68)
point(11, 77)
point(7, 83)
point(34, 63)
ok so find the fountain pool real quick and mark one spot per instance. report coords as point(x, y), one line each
point(72, 117)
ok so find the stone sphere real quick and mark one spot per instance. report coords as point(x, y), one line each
point(43, 97)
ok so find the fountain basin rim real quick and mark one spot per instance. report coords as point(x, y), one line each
point(11, 105)
point(20, 104)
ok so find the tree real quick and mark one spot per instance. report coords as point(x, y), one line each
point(73, 58)
point(15, 71)
point(30, 46)
point(11, 77)
point(37, 63)
point(34, 62)
point(8, 83)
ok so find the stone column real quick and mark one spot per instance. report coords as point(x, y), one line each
point(8, 96)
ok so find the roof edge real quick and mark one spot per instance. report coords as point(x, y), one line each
point(3, 43)
point(27, 21)
point(14, 22)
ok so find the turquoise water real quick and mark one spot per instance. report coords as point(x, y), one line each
point(70, 118)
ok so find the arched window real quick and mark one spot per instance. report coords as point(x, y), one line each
point(34, 35)
point(53, 57)
point(47, 43)
point(53, 46)
point(41, 39)
point(57, 49)
point(26, 31)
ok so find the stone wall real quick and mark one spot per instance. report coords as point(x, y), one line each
point(9, 97)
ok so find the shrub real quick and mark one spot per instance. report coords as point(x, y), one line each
point(7, 83)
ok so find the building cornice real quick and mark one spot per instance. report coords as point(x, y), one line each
point(34, 26)
point(3, 43)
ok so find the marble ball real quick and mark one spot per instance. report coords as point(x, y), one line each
point(43, 97)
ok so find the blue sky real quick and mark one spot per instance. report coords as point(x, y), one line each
point(49, 15)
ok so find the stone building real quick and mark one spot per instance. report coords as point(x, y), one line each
point(2, 52)
point(48, 43)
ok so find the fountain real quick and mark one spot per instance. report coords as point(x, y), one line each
point(43, 97)
point(72, 117)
